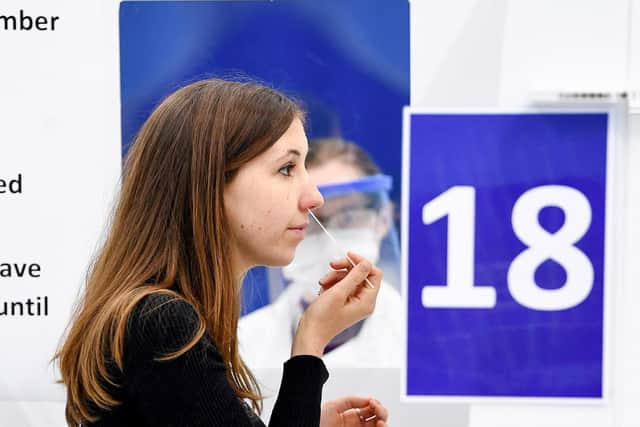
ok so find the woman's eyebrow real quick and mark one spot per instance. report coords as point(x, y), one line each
point(289, 153)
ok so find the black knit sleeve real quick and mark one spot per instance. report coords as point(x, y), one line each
point(300, 395)
point(192, 390)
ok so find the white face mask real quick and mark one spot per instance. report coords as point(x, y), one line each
point(314, 253)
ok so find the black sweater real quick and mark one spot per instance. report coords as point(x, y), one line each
point(193, 389)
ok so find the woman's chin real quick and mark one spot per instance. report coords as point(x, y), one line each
point(281, 261)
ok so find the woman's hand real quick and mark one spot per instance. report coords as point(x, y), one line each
point(353, 411)
point(344, 300)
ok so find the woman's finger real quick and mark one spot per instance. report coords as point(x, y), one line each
point(353, 280)
point(363, 416)
point(370, 415)
point(375, 271)
point(344, 263)
point(341, 263)
point(331, 278)
point(343, 404)
point(379, 410)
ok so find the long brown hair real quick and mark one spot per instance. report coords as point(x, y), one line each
point(168, 234)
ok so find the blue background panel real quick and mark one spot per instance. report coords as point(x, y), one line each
point(509, 350)
point(346, 61)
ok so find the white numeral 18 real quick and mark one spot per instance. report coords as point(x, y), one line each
point(458, 203)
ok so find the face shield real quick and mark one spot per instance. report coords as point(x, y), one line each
point(359, 215)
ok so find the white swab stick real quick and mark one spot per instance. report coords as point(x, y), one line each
point(369, 284)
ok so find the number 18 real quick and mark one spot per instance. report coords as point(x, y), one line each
point(458, 203)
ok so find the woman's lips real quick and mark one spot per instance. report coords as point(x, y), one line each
point(298, 231)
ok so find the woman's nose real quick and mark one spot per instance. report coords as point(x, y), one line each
point(311, 198)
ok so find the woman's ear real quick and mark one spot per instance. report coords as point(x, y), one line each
point(385, 219)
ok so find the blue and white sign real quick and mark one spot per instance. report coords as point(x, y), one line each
point(504, 254)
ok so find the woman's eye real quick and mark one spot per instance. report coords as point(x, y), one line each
point(286, 169)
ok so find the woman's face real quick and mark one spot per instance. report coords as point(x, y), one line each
point(266, 203)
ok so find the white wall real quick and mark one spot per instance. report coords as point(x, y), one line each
point(501, 54)
point(62, 91)
point(60, 127)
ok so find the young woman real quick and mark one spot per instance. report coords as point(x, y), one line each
point(214, 184)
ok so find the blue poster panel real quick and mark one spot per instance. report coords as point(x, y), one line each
point(504, 263)
point(346, 62)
